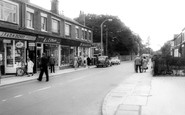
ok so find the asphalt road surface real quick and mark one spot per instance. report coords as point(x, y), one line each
point(75, 93)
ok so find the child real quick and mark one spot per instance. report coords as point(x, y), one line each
point(30, 65)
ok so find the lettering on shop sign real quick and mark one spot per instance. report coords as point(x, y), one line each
point(16, 36)
point(51, 40)
point(85, 45)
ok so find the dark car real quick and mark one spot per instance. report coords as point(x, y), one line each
point(103, 61)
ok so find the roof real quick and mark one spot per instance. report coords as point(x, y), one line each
point(59, 16)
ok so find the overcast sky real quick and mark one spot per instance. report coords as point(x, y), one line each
point(157, 19)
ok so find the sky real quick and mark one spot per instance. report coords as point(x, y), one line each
point(158, 20)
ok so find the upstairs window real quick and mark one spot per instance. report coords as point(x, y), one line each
point(90, 36)
point(43, 22)
point(55, 25)
point(83, 33)
point(77, 32)
point(9, 11)
point(67, 30)
point(29, 18)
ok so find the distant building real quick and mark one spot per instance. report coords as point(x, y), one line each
point(178, 48)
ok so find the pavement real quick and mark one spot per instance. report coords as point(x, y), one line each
point(12, 79)
point(143, 94)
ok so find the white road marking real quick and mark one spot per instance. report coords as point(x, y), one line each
point(4, 100)
point(18, 96)
point(44, 88)
point(41, 89)
point(77, 79)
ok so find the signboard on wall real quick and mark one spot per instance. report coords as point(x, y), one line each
point(16, 36)
point(48, 40)
point(19, 44)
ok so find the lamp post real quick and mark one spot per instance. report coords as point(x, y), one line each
point(102, 34)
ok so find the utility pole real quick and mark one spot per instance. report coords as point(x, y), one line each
point(107, 41)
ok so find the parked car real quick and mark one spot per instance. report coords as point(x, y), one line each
point(103, 61)
point(115, 60)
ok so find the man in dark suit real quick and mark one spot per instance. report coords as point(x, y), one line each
point(43, 67)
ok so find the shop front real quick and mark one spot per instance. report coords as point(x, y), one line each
point(50, 46)
point(13, 52)
point(67, 52)
point(70, 48)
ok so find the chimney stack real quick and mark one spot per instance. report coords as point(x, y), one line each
point(54, 6)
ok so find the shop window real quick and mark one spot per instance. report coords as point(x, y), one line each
point(20, 53)
point(9, 11)
point(65, 53)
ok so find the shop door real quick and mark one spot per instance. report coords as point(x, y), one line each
point(9, 60)
point(38, 59)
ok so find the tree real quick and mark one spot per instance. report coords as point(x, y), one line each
point(166, 49)
point(121, 40)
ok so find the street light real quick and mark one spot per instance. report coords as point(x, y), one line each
point(102, 34)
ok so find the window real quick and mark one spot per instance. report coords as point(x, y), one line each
point(77, 32)
point(43, 23)
point(90, 35)
point(9, 11)
point(83, 33)
point(55, 25)
point(29, 18)
point(68, 30)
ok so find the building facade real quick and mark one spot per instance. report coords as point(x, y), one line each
point(178, 48)
point(27, 30)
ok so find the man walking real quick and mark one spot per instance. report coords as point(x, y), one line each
point(138, 64)
point(43, 67)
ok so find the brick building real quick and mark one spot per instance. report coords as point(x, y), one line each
point(28, 30)
point(178, 48)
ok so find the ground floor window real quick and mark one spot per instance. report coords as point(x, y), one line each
point(52, 49)
point(65, 55)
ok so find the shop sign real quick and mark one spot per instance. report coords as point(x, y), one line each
point(48, 40)
point(16, 36)
point(85, 45)
point(19, 44)
point(6, 41)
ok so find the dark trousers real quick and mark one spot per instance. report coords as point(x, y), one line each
point(138, 66)
point(42, 71)
point(52, 68)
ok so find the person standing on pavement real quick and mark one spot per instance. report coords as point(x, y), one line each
point(138, 64)
point(88, 61)
point(43, 67)
point(30, 65)
point(85, 61)
point(52, 63)
point(75, 62)
point(144, 64)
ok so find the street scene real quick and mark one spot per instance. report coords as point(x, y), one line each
point(66, 57)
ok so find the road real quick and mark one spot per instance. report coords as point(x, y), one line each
point(76, 93)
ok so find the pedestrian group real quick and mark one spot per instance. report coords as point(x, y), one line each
point(141, 64)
